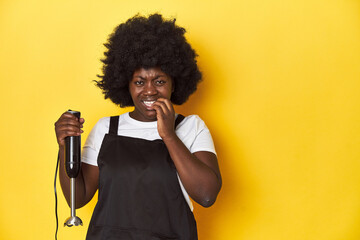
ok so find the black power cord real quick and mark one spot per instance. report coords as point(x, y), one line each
point(56, 202)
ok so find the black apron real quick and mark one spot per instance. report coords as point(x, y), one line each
point(139, 193)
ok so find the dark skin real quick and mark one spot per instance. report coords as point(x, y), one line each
point(150, 90)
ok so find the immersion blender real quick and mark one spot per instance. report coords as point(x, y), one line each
point(72, 166)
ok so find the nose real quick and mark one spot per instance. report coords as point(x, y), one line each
point(149, 89)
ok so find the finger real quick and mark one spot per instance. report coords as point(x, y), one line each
point(68, 131)
point(68, 121)
point(68, 115)
point(68, 125)
point(61, 127)
point(159, 111)
point(66, 134)
point(163, 106)
point(62, 136)
point(65, 131)
point(168, 104)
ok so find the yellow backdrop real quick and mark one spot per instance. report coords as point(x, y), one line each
point(280, 96)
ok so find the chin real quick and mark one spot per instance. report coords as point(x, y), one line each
point(150, 116)
point(145, 115)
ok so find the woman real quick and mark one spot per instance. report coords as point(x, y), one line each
point(145, 163)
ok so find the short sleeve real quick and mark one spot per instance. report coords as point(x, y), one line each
point(198, 135)
point(203, 140)
point(94, 140)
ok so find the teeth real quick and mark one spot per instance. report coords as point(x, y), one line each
point(148, 103)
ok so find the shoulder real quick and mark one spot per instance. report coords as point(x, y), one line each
point(126, 125)
point(191, 125)
point(193, 118)
point(103, 123)
point(193, 122)
point(195, 135)
point(97, 133)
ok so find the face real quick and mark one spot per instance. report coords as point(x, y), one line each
point(146, 86)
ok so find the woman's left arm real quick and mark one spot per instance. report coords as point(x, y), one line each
point(199, 172)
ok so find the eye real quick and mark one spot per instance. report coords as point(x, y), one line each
point(160, 82)
point(139, 82)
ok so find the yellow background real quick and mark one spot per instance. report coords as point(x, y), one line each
point(280, 96)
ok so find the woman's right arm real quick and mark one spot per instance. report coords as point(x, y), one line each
point(87, 180)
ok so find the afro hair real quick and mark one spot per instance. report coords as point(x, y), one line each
point(146, 42)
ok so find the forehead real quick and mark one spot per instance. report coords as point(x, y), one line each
point(149, 72)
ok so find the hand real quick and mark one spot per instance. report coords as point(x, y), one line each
point(165, 115)
point(68, 125)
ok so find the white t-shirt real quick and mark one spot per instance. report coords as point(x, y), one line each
point(192, 131)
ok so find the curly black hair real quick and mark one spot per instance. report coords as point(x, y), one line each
point(146, 42)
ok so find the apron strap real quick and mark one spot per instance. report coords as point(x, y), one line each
point(178, 120)
point(114, 125)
